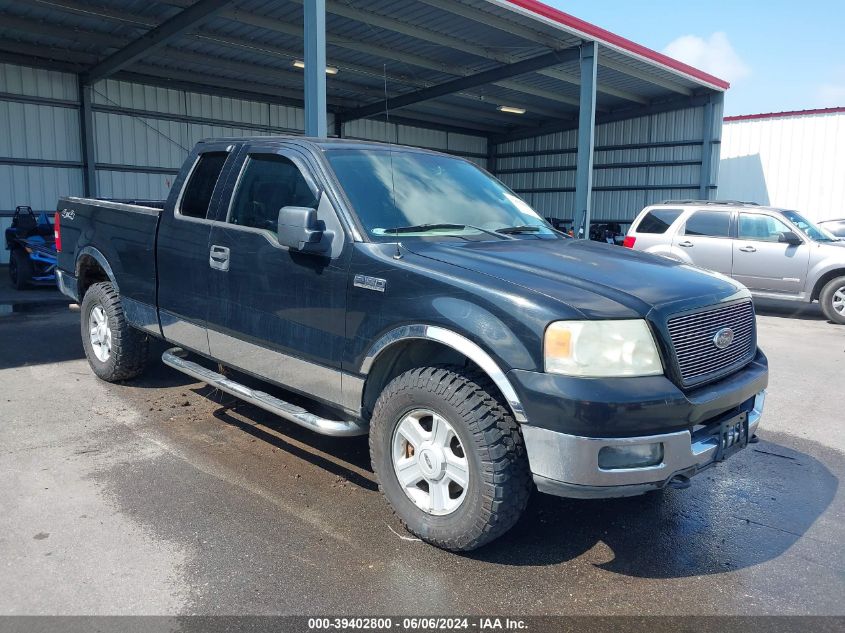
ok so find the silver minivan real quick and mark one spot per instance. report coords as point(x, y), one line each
point(776, 253)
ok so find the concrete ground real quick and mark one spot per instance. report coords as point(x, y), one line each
point(160, 497)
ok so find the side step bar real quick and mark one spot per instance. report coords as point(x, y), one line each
point(176, 358)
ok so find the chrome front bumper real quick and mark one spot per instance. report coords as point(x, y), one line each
point(567, 465)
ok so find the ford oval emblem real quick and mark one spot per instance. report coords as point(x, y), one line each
point(723, 338)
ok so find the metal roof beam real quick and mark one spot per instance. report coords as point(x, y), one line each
point(247, 68)
point(644, 76)
point(412, 30)
point(530, 35)
point(24, 25)
point(184, 21)
point(479, 79)
point(112, 41)
point(61, 57)
point(411, 59)
point(678, 103)
point(220, 86)
point(87, 10)
point(604, 89)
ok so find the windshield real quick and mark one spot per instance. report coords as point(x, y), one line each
point(435, 197)
point(808, 228)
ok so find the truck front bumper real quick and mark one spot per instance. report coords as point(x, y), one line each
point(568, 465)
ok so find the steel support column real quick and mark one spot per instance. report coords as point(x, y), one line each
point(586, 140)
point(315, 68)
point(492, 156)
point(86, 135)
point(705, 189)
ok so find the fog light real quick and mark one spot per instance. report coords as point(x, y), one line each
point(630, 456)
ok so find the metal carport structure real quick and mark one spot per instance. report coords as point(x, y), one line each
point(105, 97)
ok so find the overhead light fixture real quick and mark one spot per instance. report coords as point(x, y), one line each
point(330, 70)
point(511, 109)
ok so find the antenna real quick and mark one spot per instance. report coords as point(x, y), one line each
point(398, 253)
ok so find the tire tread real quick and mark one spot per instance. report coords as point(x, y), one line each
point(506, 478)
point(130, 347)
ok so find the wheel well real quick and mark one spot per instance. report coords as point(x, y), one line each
point(405, 355)
point(89, 273)
point(817, 289)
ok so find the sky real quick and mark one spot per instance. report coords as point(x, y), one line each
point(777, 55)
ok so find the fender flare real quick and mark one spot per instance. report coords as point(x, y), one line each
point(100, 259)
point(457, 342)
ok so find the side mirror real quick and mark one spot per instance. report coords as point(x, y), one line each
point(788, 237)
point(299, 229)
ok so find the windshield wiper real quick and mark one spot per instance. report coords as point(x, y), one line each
point(434, 226)
point(520, 228)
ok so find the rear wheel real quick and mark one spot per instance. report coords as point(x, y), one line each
point(449, 457)
point(832, 300)
point(20, 269)
point(115, 350)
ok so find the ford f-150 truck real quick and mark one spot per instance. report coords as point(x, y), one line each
point(413, 297)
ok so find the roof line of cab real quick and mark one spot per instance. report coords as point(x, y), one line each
point(320, 143)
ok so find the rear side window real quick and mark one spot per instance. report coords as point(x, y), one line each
point(709, 224)
point(196, 197)
point(658, 220)
point(269, 182)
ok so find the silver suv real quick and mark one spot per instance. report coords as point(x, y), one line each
point(776, 253)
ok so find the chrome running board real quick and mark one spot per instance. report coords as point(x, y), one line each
point(176, 358)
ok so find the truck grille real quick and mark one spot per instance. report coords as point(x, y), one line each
point(693, 340)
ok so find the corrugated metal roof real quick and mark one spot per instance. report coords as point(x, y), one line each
point(415, 43)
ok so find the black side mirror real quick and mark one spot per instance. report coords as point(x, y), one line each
point(788, 237)
point(299, 229)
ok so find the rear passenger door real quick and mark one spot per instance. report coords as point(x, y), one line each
point(706, 239)
point(765, 264)
point(182, 249)
point(277, 313)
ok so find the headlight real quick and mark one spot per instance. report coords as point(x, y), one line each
point(601, 349)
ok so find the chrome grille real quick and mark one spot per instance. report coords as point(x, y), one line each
point(692, 340)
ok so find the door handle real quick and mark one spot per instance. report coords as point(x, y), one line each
point(748, 249)
point(218, 258)
point(686, 244)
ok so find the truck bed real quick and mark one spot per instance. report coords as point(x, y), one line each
point(122, 232)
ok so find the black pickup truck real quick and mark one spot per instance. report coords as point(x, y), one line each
point(411, 296)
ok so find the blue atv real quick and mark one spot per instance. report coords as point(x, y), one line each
point(32, 245)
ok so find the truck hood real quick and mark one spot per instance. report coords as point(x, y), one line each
point(593, 278)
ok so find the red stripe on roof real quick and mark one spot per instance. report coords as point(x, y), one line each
point(777, 115)
point(601, 34)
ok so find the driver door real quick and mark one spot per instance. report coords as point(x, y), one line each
point(275, 312)
point(762, 262)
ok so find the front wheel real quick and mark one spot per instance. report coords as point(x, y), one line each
point(115, 350)
point(832, 300)
point(449, 457)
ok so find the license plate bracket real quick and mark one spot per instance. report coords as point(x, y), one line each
point(733, 436)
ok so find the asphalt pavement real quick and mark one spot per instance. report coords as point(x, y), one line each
point(161, 496)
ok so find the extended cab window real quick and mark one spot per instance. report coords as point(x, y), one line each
point(269, 182)
point(196, 198)
point(760, 228)
point(658, 220)
point(709, 224)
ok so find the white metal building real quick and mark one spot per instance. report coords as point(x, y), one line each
point(793, 160)
point(106, 97)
